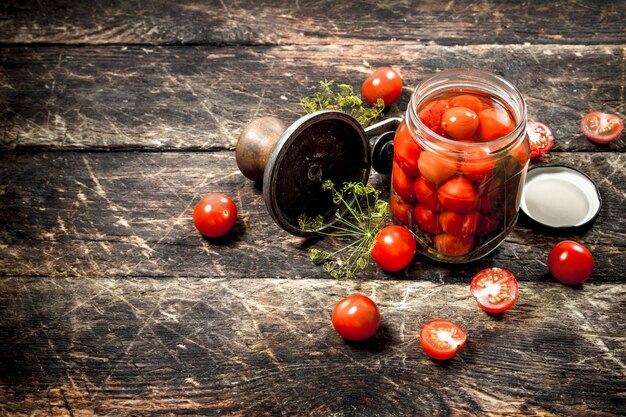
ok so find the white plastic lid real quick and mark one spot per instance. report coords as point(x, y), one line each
point(558, 196)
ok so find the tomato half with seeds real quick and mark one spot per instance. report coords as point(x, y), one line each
point(601, 127)
point(540, 138)
point(394, 248)
point(458, 194)
point(384, 83)
point(215, 215)
point(494, 124)
point(495, 289)
point(442, 339)
point(459, 122)
point(356, 317)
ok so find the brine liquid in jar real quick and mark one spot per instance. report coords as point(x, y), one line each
point(458, 173)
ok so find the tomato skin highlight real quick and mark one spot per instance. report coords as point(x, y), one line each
point(394, 248)
point(570, 262)
point(601, 127)
point(442, 339)
point(215, 215)
point(459, 122)
point(356, 317)
point(383, 83)
point(495, 290)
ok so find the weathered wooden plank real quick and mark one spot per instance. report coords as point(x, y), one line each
point(201, 97)
point(130, 214)
point(311, 22)
point(109, 346)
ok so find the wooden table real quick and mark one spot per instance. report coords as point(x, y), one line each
point(117, 117)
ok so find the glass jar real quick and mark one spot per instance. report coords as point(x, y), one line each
point(460, 161)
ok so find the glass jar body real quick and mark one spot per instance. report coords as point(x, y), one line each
point(458, 187)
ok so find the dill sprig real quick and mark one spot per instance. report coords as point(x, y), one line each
point(342, 98)
point(365, 215)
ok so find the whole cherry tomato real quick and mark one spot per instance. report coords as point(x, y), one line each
point(356, 317)
point(494, 124)
point(601, 127)
point(427, 220)
point(469, 101)
point(402, 184)
point(459, 122)
point(458, 194)
point(570, 262)
point(540, 138)
point(384, 83)
point(215, 215)
point(400, 209)
point(453, 246)
point(495, 290)
point(426, 193)
point(394, 248)
point(406, 151)
point(442, 339)
point(488, 224)
point(459, 225)
point(436, 169)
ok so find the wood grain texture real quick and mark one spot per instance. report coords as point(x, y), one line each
point(140, 346)
point(130, 214)
point(200, 98)
point(311, 22)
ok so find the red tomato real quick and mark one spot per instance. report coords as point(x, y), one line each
point(436, 169)
point(469, 101)
point(477, 171)
point(459, 122)
point(459, 225)
point(431, 114)
point(488, 224)
point(458, 194)
point(426, 193)
point(601, 127)
point(394, 248)
point(540, 138)
point(450, 245)
point(402, 184)
point(215, 215)
point(356, 317)
point(570, 262)
point(384, 83)
point(406, 151)
point(442, 339)
point(426, 219)
point(495, 289)
point(493, 124)
point(400, 209)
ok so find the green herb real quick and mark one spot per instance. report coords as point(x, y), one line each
point(365, 215)
point(342, 98)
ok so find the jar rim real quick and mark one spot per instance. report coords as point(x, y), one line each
point(460, 77)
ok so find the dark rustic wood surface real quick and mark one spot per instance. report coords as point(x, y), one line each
point(116, 117)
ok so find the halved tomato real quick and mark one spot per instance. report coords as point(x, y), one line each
point(601, 127)
point(442, 339)
point(540, 138)
point(495, 289)
point(458, 194)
